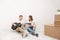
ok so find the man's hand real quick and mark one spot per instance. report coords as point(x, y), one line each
point(14, 24)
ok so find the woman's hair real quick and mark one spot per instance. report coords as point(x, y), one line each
point(30, 16)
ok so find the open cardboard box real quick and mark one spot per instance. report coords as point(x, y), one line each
point(57, 17)
point(52, 31)
point(57, 24)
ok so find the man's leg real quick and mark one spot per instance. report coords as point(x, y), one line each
point(24, 32)
point(17, 29)
point(20, 29)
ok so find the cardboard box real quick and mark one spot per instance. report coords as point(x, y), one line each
point(57, 23)
point(52, 31)
point(57, 17)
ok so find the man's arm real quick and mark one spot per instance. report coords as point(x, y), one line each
point(14, 24)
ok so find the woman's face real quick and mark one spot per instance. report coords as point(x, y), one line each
point(29, 19)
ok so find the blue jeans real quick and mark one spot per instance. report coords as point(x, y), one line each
point(31, 31)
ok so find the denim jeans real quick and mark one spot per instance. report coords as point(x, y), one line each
point(31, 31)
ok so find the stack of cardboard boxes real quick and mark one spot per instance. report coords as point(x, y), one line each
point(57, 21)
point(53, 30)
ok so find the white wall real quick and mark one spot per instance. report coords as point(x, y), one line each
point(57, 3)
point(42, 10)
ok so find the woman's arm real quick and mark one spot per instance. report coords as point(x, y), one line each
point(34, 26)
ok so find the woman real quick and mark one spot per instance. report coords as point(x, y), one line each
point(32, 26)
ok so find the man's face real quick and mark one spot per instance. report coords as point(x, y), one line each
point(20, 18)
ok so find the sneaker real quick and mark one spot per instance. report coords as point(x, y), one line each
point(26, 35)
point(36, 35)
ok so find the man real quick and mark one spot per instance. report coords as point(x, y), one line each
point(19, 26)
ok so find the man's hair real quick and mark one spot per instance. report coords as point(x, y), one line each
point(20, 15)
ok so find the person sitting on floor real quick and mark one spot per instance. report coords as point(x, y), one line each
point(18, 26)
point(31, 26)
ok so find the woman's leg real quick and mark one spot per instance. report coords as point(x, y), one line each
point(31, 31)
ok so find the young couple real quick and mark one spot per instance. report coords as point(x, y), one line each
point(25, 28)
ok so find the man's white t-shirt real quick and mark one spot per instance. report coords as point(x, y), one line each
point(20, 21)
